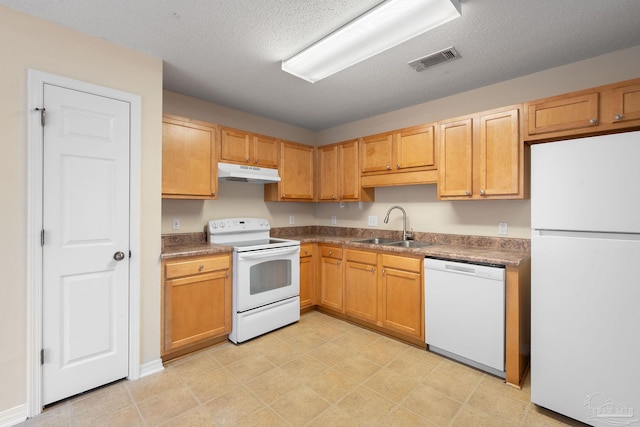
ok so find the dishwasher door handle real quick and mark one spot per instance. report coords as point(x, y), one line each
point(460, 269)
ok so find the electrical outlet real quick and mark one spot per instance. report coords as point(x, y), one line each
point(503, 228)
point(333, 220)
point(342, 205)
point(292, 220)
point(373, 221)
point(359, 205)
point(175, 224)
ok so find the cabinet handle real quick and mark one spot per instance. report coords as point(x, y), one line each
point(255, 161)
point(388, 167)
point(284, 197)
point(246, 159)
point(201, 267)
point(482, 192)
point(330, 252)
point(333, 196)
point(373, 269)
point(593, 121)
point(213, 193)
point(468, 193)
point(618, 117)
point(397, 165)
point(227, 274)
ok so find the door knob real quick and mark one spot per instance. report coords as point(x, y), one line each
point(118, 256)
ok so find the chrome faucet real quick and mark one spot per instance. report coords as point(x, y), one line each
point(405, 235)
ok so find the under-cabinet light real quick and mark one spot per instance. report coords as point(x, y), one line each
point(385, 26)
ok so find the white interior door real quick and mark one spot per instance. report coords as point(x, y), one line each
point(86, 241)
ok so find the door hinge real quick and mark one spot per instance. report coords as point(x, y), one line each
point(129, 254)
point(42, 356)
point(41, 237)
point(42, 115)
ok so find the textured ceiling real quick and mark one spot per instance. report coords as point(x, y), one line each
point(229, 51)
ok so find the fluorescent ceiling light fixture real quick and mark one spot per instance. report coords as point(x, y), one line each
point(387, 25)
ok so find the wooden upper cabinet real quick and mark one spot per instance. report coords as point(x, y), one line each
point(455, 173)
point(625, 104)
point(189, 166)
point(562, 113)
point(500, 148)
point(328, 169)
point(415, 148)
point(339, 174)
point(377, 153)
point(603, 109)
point(401, 157)
point(296, 174)
point(482, 156)
point(240, 147)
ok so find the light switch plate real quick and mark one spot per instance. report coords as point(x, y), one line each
point(373, 221)
point(333, 220)
point(292, 220)
point(175, 224)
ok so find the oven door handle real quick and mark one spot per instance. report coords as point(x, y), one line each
point(268, 253)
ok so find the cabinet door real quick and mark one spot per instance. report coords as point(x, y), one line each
point(196, 308)
point(328, 169)
point(402, 301)
point(415, 147)
point(349, 172)
point(306, 276)
point(626, 104)
point(188, 160)
point(361, 286)
point(499, 156)
point(234, 146)
point(265, 151)
point(455, 162)
point(576, 112)
point(296, 171)
point(376, 153)
point(331, 278)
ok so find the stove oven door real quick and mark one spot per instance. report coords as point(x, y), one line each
point(265, 276)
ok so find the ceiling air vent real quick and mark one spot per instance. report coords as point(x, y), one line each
point(445, 55)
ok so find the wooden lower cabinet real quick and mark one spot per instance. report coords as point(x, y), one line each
point(196, 303)
point(361, 285)
point(402, 294)
point(331, 278)
point(307, 274)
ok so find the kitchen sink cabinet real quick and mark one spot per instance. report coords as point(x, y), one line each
point(296, 171)
point(331, 292)
point(307, 276)
point(402, 295)
point(245, 148)
point(482, 156)
point(602, 109)
point(361, 285)
point(401, 157)
point(339, 174)
point(196, 303)
point(189, 165)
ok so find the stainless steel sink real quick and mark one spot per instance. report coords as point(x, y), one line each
point(409, 244)
point(377, 241)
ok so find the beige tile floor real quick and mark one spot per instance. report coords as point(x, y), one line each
point(320, 371)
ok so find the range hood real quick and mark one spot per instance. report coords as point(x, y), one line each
point(245, 173)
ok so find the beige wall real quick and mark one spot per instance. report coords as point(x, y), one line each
point(424, 211)
point(32, 43)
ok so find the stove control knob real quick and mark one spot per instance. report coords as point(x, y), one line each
point(222, 225)
point(214, 225)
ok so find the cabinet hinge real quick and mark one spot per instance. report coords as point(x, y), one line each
point(42, 356)
point(129, 254)
point(41, 237)
point(42, 115)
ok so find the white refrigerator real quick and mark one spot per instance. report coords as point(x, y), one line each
point(585, 290)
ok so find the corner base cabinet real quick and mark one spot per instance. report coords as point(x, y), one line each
point(196, 303)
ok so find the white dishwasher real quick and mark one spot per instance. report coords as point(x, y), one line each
point(465, 313)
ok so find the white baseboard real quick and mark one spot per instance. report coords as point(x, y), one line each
point(150, 368)
point(13, 416)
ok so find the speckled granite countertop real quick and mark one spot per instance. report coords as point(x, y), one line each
point(479, 249)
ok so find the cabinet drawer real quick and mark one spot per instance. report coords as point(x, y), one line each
point(331, 252)
point(362, 257)
point(306, 249)
point(402, 263)
point(197, 265)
